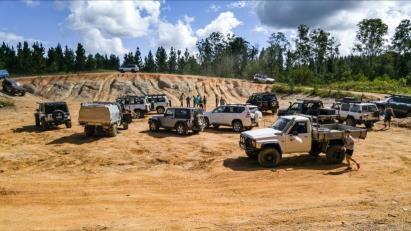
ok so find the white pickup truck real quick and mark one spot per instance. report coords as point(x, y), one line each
point(295, 134)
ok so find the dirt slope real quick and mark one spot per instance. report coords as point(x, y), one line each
point(60, 180)
point(107, 86)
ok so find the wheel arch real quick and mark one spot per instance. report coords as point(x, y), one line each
point(273, 145)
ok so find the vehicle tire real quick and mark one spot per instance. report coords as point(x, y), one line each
point(37, 120)
point(206, 122)
point(237, 126)
point(160, 110)
point(351, 122)
point(68, 124)
point(125, 126)
point(89, 130)
point(181, 129)
point(335, 154)
point(369, 124)
point(44, 125)
point(252, 155)
point(153, 125)
point(269, 157)
point(113, 130)
point(139, 114)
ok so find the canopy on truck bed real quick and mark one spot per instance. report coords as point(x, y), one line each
point(99, 114)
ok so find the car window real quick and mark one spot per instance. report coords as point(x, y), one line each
point(253, 109)
point(299, 127)
point(295, 106)
point(239, 109)
point(355, 108)
point(228, 109)
point(219, 109)
point(182, 114)
point(169, 112)
point(280, 124)
point(345, 107)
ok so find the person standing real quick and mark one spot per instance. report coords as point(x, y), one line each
point(199, 101)
point(349, 149)
point(188, 100)
point(182, 100)
point(388, 114)
point(222, 101)
point(216, 100)
point(194, 101)
point(205, 102)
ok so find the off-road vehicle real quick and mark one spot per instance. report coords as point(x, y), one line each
point(296, 134)
point(4, 74)
point(158, 103)
point(265, 101)
point(181, 119)
point(12, 87)
point(262, 79)
point(311, 107)
point(52, 114)
point(400, 104)
point(354, 112)
point(103, 117)
point(137, 104)
point(128, 68)
point(237, 116)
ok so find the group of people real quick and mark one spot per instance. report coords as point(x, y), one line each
point(199, 101)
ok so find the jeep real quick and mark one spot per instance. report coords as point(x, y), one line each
point(158, 103)
point(265, 101)
point(52, 114)
point(180, 119)
point(137, 104)
point(13, 87)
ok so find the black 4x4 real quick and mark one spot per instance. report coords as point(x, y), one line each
point(52, 114)
point(180, 119)
point(265, 101)
point(401, 105)
point(13, 87)
point(310, 107)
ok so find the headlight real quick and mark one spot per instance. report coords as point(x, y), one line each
point(253, 143)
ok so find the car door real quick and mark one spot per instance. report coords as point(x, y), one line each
point(226, 116)
point(298, 138)
point(168, 119)
point(215, 115)
point(343, 112)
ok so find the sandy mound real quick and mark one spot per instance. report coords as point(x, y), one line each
point(108, 86)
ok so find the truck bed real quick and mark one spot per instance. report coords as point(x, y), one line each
point(94, 114)
point(336, 132)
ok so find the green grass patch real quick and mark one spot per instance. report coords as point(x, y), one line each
point(384, 86)
point(6, 103)
point(313, 91)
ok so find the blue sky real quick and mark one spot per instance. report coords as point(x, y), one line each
point(119, 27)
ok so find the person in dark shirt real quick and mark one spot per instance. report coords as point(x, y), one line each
point(388, 114)
point(204, 102)
point(188, 101)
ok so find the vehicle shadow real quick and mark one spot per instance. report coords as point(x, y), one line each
point(163, 133)
point(221, 130)
point(76, 138)
point(33, 129)
point(290, 163)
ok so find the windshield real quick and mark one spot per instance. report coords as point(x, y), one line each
point(280, 124)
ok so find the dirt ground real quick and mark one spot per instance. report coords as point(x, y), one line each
point(60, 180)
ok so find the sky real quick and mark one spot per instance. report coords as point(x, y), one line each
point(120, 26)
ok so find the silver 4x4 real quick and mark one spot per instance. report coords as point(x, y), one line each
point(158, 103)
point(137, 104)
point(52, 114)
point(354, 113)
point(180, 119)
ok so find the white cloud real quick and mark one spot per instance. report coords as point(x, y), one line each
point(224, 23)
point(31, 3)
point(238, 4)
point(179, 36)
point(14, 38)
point(261, 29)
point(104, 23)
point(214, 8)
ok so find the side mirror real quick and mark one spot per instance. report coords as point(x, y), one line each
point(295, 133)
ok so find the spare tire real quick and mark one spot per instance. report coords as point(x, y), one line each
point(58, 115)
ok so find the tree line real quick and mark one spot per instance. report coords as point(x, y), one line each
point(314, 57)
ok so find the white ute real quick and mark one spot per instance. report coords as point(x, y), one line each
point(296, 134)
point(237, 116)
